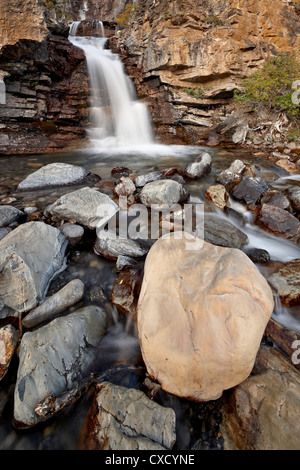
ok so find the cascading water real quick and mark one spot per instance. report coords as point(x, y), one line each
point(117, 117)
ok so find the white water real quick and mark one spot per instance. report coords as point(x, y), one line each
point(118, 119)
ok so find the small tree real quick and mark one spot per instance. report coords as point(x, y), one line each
point(271, 87)
point(125, 19)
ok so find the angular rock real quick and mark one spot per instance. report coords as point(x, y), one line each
point(30, 256)
point(286, 281)
point(72, 232)
point(217, 195)
point(221, 232)
point(125, 188)
point(250, 189)
point(201, 314)
point(112, 246)
point(126, 290)
point(8, 215)
point(276, 198)
point(279, 222)
point(54, 357)
point(287, 165)
point(127, 420)
point(231, 175)
point(86, 206)
point(167, 192)
point(69, 295)
point(8, 342)
point(199, 167)
point(141, 180)
point(54, 174)
point(263, 412)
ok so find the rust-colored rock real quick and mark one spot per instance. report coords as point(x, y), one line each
point(126, 291)
point(279, 221)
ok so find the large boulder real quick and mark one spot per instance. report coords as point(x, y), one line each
point(201, 316)
point(126, 419)
point(30, 256)
point(54, 357)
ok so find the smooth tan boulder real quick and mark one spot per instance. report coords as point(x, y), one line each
point(201, 317)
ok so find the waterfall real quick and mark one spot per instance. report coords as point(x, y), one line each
point(117, 117)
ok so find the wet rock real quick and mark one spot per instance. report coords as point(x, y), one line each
point(127, 420)
point(124, 262)
point(69, 295)
point(258, 255)
point(126, 290)
point(221, 232)
point(8, 215)
point(286, 281)
point(111, 246)
point(120, 171)
point(279, 222)
point(141, 180)
point(86, 206)
point(190, 296)
point(262, 413)
point(54, 174)
point(294, 197)
point(276, 198)
point(72, 232)
point(199, 167)
point(250, 189)
point(231, 175)
point(8, 342)
point(4, 231)
point(54, 357)
point(163, 192)
point(217, 195)
point(30, 256)
point(287, 165)
point(125, 188)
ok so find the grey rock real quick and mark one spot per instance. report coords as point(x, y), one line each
point(8, 215)
point(112, 246)
point(166, 192)
point(86, 206)
point(30, 257)
point(141, 180)
point(231, 175)
point(4, 231)
point(8, 342)
point(124, 262)
point(222, 233)
point(69, 295)
point(250, 189)
point(72, 232)
point(54, 174)
point(30, 209)
point(258, 255)
point(54, 357)
point(199, 167)
point(128, 420)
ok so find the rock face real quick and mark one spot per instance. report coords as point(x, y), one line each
point(69, 295)
point(127, 420)
point(163, 192)
point(201, 315)
point(54, 174)
point(286, 281)
point(262, 413)
point(61, 351)
point(194, 55)
point(86, 206)
point(30, 256)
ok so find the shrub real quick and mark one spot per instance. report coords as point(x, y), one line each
point(271, 87)
point(125, 19)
